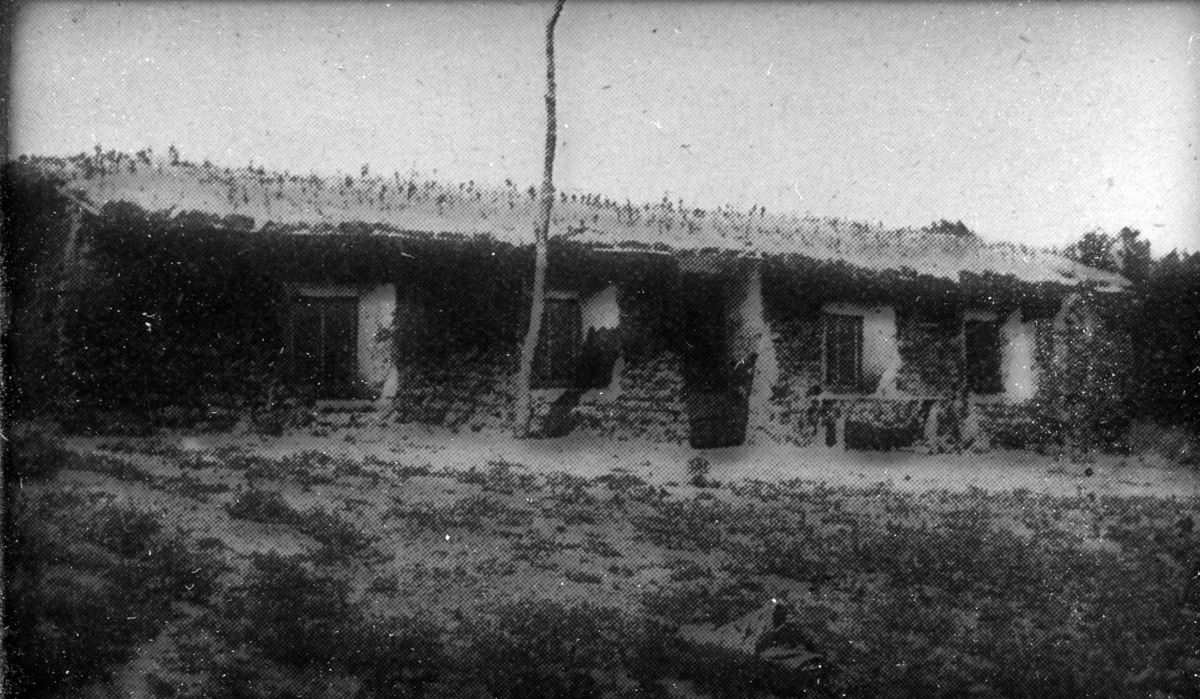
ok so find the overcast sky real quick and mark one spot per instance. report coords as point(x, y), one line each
point(1032, 122)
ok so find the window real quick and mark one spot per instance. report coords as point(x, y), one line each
point(325, 344)
point(557, 355)
point(702, 336)
point(843, 353)
point(983, 357)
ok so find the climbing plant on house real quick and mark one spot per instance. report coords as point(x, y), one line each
point(1084, 397)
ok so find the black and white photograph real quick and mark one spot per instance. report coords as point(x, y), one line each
point(571, 349)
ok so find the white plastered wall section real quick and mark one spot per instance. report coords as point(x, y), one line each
point(376, 322)
point(750, 333)
point(376, 331)
point(601, 311)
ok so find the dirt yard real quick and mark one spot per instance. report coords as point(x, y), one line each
point(366, 561)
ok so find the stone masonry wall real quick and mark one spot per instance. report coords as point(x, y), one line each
point(457, 351)
point(645, 399)
point(797, 343)
point(472, 389)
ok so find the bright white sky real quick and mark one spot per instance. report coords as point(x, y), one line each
point(1029, 122)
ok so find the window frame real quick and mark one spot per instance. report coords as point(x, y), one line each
point(858, 342)
point(345, 387)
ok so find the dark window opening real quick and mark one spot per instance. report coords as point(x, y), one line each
point(557, 356)
point(983, 357)
point(843, 353)
point(325, 345)
point(703, 339)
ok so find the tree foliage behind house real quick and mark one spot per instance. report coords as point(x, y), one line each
point(1162, 321)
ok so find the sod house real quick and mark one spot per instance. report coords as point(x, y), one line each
point(152, 284)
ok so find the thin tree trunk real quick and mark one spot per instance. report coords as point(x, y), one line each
point(66, 282)
point(541, 237)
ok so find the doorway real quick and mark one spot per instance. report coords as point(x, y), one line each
point(715, 388)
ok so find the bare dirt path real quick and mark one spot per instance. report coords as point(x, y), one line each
point(663, 464)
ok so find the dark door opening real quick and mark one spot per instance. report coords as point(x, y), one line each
point(983, 348)
point(325, 347)
point(716, 401)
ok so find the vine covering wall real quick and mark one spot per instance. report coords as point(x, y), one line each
point(189, 315)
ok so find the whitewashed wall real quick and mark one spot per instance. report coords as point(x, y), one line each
point(376, 318)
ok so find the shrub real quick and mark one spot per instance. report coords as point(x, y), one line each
point(690, 525)
point(697, 603)
point(728, 674)
point(698, 468)
point(687, 570)
point(179, 571)
point(189, 486)
point(265, 506)
point(236, 678)
point(124, 530)
point(67, 630)
point(118, 469)
point(1085, 391)
point(302, 620)
point(86, 585)
point(395, 657)
point(38, 458)
point(472, 513)
point(503, 477)
point(539, 648)
point(536, 648)
point(387, 585)
point(291, 615)
point(623, 482)
point(306, 468)
point(342, 538)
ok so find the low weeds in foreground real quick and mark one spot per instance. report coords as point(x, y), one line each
point(87, 580)
point(906, 595)
point(472, 513)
